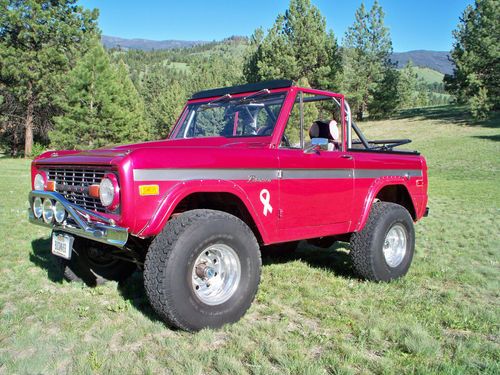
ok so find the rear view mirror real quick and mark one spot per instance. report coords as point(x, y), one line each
point(316, 145)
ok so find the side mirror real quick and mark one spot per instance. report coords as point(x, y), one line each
point(316, 145)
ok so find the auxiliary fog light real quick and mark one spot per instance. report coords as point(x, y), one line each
point(37, 207)
point(48, 211)
point(59, 212)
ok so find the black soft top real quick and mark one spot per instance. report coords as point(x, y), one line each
point(274, 84)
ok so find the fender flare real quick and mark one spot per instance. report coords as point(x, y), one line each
point(377, 185)
point(182, 189)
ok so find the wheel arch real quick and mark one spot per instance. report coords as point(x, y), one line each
point(394, 191)
point(218, 195)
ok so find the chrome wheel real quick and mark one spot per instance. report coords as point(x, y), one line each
point(395, 245)
point(216, 274)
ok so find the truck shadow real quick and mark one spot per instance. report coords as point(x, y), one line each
point(494, 138)
point(334, 259)
point(41, 256)
point(132, 290)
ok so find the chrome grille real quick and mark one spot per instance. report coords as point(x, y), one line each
point(73, 183)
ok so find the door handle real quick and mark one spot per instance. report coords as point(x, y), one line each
point(346, 157)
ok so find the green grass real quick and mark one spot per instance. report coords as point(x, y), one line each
point(311, 315)
point(429, 75)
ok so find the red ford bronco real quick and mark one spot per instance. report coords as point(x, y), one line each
point(243, 168)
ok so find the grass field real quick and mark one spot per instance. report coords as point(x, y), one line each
point(429, 75)
point(311, 315)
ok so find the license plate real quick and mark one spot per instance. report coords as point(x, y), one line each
point(62, 244)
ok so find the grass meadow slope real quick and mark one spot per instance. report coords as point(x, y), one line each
point(311, 315)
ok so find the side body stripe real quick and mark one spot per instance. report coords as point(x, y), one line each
point(187, 174)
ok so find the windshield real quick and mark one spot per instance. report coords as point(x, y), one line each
point(251, 116)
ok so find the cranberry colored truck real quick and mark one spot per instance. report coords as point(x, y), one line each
point(245, 167)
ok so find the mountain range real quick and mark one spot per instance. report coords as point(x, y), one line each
point(146, 44)
point(435, 60)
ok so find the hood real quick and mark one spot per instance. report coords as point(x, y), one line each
point(114, 155)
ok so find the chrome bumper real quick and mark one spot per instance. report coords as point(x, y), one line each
point(80, 222)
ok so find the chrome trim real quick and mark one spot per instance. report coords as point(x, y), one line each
point(184, 174)
point(349, 123)
point(82, 223)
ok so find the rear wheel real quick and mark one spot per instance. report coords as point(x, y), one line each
point(202, 270)
point(93, 264)
point(384, 249)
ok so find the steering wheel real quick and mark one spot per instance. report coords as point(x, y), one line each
point(285, 140)
point(267, 130)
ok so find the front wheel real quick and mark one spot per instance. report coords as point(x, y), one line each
point(202, 270)
point(384, 249)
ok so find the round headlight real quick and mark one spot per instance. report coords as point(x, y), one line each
point(106, 192)
point(39, 182)
point(59, 212)
point(48, 211)
point(37, 207)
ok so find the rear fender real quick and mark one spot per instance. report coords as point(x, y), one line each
point(185, 188)
point(373, 191)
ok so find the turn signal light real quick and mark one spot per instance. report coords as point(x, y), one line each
point(94, 191)
point(50, 186)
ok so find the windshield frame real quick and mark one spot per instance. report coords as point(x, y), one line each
point(185, 111)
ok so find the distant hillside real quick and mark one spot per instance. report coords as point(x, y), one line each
point(429, 75)
point(146, 44)
point(435, 60)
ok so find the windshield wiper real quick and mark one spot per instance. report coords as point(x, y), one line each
point(245, 100)
point(251, 97)
point(218, 100)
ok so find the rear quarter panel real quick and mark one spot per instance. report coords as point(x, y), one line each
point(409, 171)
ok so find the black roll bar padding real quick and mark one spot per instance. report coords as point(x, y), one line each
point(360, 135)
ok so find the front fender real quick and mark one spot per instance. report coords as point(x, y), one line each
point(181, 190)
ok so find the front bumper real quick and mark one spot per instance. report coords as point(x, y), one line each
point(80, 222)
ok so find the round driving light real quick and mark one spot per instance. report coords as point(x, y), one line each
point(48, 211)
point(37, 207)
point(59, 212)
point(39, 182)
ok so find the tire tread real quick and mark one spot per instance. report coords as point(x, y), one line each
point(161, 250)
point(362, 242)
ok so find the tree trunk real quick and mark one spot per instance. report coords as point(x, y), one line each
point(28, 135)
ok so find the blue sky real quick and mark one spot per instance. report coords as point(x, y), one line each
point(414, 24)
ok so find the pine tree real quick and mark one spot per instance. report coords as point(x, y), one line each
point(368, 71)
point(296, 47)
point(101, 105)
point(163, 99)
point(40, 40)
point(476, 53)
point(407, 86)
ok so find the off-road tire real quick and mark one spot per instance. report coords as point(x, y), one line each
point(81, 269)
point(366, 246)
point(169, 265)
